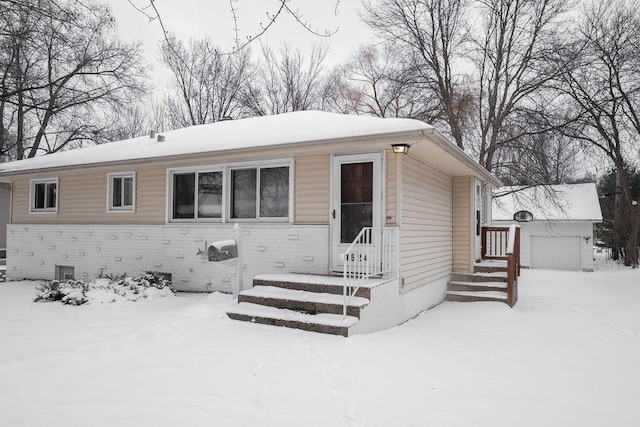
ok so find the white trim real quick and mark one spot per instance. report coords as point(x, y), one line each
point(258, 166)
point(226, 192)
point(32, 183)
point(196, 171)
point(121, 209)
point(378, 212)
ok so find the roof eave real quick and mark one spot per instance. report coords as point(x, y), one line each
point(446, 144)
point(412, 135)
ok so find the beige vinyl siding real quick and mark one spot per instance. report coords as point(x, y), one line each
point(311, 197)
point(427, 229)
point(391, 190)
point(151, 189)
point(82, 198)
point(82, 192)
point(5, 203)
point(463, 223)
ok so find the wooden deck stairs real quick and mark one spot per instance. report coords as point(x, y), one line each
point(487, 283)
point(301, 301)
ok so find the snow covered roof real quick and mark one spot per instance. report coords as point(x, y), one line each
point(255, 132)
point(566, 202)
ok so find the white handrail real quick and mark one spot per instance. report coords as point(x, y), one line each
point(512, 238)
point(374, 252)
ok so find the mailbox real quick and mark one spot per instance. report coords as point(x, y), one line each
point(222, 250)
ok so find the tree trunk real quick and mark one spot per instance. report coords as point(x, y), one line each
point(618, 223)
point(631, 247)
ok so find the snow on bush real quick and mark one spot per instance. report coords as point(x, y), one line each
point(105, 290)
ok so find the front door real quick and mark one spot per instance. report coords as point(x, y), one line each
point(356, 200)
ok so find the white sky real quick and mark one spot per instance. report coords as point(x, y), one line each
point(197, 18)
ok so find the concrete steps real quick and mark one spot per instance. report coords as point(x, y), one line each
point(322, 322)
point(307, 302)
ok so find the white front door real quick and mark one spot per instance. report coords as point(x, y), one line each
point(356, 200)
point(478, 219)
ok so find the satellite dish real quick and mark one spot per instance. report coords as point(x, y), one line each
point(523, 216)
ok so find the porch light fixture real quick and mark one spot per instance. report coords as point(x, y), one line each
point(400, 148)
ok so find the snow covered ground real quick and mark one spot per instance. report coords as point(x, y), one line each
point(567, 355)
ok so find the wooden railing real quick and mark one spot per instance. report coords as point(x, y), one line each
point(504, 243)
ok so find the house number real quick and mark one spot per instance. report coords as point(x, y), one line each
point(359, 257)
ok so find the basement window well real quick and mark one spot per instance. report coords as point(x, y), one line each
point(64, 272)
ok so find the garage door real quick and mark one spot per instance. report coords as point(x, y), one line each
point(555, 253)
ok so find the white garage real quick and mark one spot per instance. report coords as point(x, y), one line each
point(556, 223)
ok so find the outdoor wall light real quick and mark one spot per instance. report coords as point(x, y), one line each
point(400, 148)
point(586, 239)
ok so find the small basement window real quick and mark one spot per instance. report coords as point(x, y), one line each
point(64, 272)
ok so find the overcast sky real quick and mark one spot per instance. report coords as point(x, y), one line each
point(197, 18)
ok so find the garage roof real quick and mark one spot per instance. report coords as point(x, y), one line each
point(566, 202)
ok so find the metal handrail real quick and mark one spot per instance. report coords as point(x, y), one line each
point(374, 252)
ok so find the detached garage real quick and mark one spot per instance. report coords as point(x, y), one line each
point(556, 223)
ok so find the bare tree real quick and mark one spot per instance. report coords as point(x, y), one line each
point(286, 81)
point(516, 57)
point(604, 87)
point(62, 70)
point(542, 158)
point(488, 77)
point(206, 86)
point(273, 14)
point(433, 34)
point(379, 82)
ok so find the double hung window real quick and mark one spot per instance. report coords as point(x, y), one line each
point(44, 195)
point(121, 191)
point(197, 195)
point(260, 192)
point(232, 193)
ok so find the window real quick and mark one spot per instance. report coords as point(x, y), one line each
point(121, 191)
point(44, 195)
point(260, 192)
point(64, 272)
point(238, 192)
point(197, 195)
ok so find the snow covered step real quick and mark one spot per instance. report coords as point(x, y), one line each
point(315, 283)
point(490, 266)
point(305, 301)
point(474, 296)
point(459, 285)
point(322, 322)
point(499, 276)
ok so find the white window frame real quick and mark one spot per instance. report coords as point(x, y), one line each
point(110, 178)
point(261, 165)
point(32, 195)
point(195, 170)
point(226, 191)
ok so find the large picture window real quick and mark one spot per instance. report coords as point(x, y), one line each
point(197, 195)
point(44, 195)
point(121, 191)
point(234, 193)
point(260, 192)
